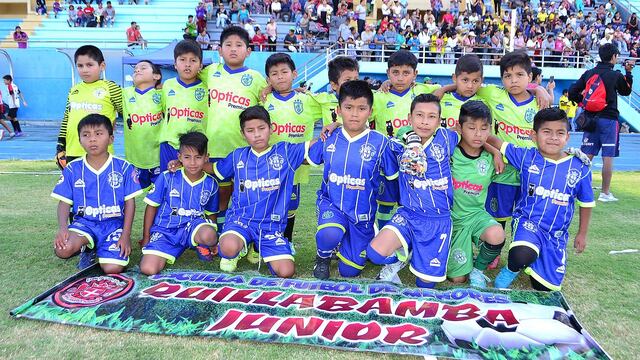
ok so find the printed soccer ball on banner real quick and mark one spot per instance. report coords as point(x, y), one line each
point(534, 325)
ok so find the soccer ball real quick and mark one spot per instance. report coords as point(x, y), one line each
point(536, 325)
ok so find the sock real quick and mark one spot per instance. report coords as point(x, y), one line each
point(327, 239)
point(16, 126)
point(220, 220)
point(288, 232)
point(505, 278)
point(378, 259)
point(424, 284)
point(486, 255)
point(383, 215)
point(347, 270)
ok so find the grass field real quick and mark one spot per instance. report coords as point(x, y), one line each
point(602, 289)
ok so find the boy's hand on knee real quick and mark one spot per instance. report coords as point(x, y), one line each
point(124, 244)
point(62, 237)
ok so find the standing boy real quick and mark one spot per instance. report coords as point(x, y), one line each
point(13, 97)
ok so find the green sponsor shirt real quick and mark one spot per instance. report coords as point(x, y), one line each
point(328, 102)
point(513, 123)
point(142, 112)
point(292, 119)
point(471, 177)
point(185, 110)
point(450, 105)
point(99, 97)
point(394, 107)
point(230, 92)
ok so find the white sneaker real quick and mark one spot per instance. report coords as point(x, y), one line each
point(607, 197)
point(390, 272)
point(12, 134)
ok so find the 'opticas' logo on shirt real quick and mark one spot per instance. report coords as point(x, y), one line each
point(557, 197)
point(288, 128)
point(262, 184)
point(234, 101)
point(106, 211)
point(398, 123)
point(436, 184)
point(468, 187)
point(521, 134)
point(348, 181)
point(190, 114)
point(88, 107)
point(146, 118)
point(188, 212)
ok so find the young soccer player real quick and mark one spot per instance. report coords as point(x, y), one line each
point(551, 182)
point(91, 96)
point(181, 208)
point(422, 224)
point(389, 111)
point(294, 115)
point(100, 190)
point(354, 157)
point(467, 78)
point(262, 186)
point(185, 101)
point(232, 88)
point(340, 70)
point(569, 107)
point(471, 171)
point(13, 97)
point(143, 111)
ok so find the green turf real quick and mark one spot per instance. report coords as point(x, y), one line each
point(602, 289)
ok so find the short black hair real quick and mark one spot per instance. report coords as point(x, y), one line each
point(253, 113)
point(549, 114)
point(474, 109)
point(607, 52)
point(424, 98)
point(565, 91)
point(515, 58)
point(468, 63)
point(356, 89)
point(535, 72)
point(185, 47)
point(8, 77)
point(154, 69)
point(401, 58)
point(277, 59)
point(91, 51)
point(235, 30)
point(96, 120)
point(195, 140)
point(339, 65)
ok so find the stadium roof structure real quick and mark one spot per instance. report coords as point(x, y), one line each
point(161, 57)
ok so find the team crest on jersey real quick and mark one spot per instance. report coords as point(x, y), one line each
point(93, 291)
point(204, 197)
point(60, 179)
point(156, 97)
point(79, 183)
point(500, 107)
point(297, 106)
point(529, 114)
point(100, 93)
point(115, 179)
point(199, 94)
point(482, 166)
point(171, 93)
point(390, 104)
point(331, 148)
point(572, 177)
point(246, 79)
point(276, 162)
point(399, 219)
point(367, 151)
point(132, 99)
point(533, 169)
point(529, 226)
point(459, 256)
point(437, 152)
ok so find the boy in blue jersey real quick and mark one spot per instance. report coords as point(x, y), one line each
point(181, 208)
point(423, 223)
point(262, 185)
point(100, 189)
point(551, 182)
point(354, 157)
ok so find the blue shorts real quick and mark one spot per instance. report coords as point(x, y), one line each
point(389, 192)
point(167, 153)
point(226, 181)
point(605, 137)
point(272, 245)
point(356, 238)
point(170, 243)
point(294, 203)
point(148, 176)
point(103, 236)
point(429, 240)
point(501, 199)
point(549, 268)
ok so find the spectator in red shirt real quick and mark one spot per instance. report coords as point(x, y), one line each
point(259, 39)
point(132, 35)
point(447, 18)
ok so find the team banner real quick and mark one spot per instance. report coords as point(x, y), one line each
point(348, 315)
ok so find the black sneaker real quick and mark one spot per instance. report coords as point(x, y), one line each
point(87, 258)
point(321, 268)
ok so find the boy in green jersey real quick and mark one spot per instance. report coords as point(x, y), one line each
point(143, 111)
point(340, 70)
point(472, 169)
point(91, 96)
point(185, 99)
point(467, 80)
point(232, 88)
